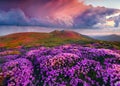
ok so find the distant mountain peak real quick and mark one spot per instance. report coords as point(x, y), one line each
point(112, 37)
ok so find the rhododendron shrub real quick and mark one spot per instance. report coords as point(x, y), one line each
point(66, 65)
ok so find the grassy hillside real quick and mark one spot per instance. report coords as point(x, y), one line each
point(36, 39)
point(54, 38)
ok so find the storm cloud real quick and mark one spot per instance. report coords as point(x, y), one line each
point(53, 13)
point(92, 16)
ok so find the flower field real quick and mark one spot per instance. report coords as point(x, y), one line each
point(65, 65)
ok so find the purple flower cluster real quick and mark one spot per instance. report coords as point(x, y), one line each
point(18, 72)
point(66, 65)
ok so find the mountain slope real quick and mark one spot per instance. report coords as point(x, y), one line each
point(47, 39)
point(109, 37)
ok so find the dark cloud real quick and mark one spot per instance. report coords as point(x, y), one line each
point(87, 19)
point(92, 16)
point(117, 21)
point(18, 18)
point(53, 13)
point(13, 17)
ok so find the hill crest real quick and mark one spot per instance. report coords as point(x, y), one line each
point(35, 39)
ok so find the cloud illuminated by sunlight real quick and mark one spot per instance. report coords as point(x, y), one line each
point(110, 23)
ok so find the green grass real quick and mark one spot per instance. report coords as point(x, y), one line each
point(52, 39)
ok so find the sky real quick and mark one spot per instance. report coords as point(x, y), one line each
point(105, 3)
point(74, 14)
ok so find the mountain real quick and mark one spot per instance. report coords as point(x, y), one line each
point(47, 39)
point(69, 34)
point(108, 37)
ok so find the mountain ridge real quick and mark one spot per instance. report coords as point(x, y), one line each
point(35, 38)
point(112, 37)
